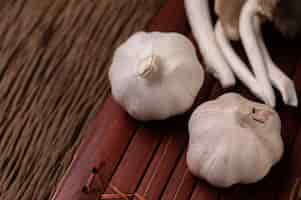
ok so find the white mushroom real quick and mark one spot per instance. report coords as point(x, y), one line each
point(280, 81)
point(156, 75)
point(252, 13)
point(237, 65)
point(202, 29)
point(233, 140)
point(249, 40)
point(278, 78)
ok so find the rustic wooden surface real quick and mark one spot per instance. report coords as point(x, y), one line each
point(54, 56)
point(149, 159)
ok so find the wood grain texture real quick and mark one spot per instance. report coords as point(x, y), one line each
point(54, 56)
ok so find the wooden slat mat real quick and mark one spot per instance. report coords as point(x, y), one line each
point(54, 56)
point(120, 156)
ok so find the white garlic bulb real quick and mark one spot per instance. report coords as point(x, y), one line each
point(156, 75)
point(233, 140)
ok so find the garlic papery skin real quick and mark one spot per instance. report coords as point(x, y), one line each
point(156, 75)
point(233, 140)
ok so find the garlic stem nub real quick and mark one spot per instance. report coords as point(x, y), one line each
point(148, 66)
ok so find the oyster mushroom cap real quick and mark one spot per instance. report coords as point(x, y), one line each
point(233, 140)
point(228, 12)
point(267, 7)
point(285, 14)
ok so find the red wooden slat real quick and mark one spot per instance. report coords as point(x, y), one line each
point(162, 165)
point(204, 191)
point(135, 161)
point(180, 185)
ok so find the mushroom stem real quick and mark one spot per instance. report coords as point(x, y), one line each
point(202, 29)
point(148, 66)
point(280, 81)
point(237, 65)
point(248, 36)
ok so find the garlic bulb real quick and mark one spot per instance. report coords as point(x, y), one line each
point(233, 140)
point(156, 75)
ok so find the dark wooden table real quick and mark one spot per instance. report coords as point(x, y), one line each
point(121, 155)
